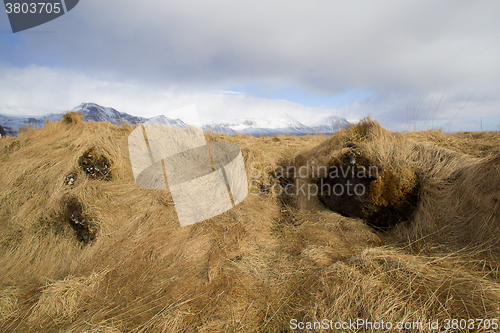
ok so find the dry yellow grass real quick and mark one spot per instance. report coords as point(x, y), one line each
point(255, 267)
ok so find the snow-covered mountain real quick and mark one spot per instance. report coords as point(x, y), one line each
point(11, 124)
point(219, 128)
point(261, 127)
point(329, 125)
point(94, 112)
point(162, 120)
point(286, 125)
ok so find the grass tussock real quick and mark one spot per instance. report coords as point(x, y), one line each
point(72, 117)
point(270, 259)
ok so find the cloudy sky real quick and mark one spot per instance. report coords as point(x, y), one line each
point(408, 64)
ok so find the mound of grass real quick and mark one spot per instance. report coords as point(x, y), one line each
point(72, 117)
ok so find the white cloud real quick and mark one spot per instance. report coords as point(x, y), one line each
point(61, 90)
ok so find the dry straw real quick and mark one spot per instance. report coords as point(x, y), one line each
point(255, 267)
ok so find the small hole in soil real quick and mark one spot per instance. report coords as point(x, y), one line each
point(73, 214)
point(383, 201)
point(344, 192)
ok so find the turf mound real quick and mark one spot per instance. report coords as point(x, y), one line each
point(439, 194)
point(86, 254)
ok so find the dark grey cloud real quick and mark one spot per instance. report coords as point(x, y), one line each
point(324, 46)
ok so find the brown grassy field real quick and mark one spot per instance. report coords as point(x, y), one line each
point(256, 267)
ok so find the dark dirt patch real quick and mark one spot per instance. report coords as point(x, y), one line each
point(74, 215)
point(346, 193)
point(355, 187)
point(95, 165)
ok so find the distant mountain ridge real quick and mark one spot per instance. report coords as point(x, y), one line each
point(94, 112)
point(250, 126)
